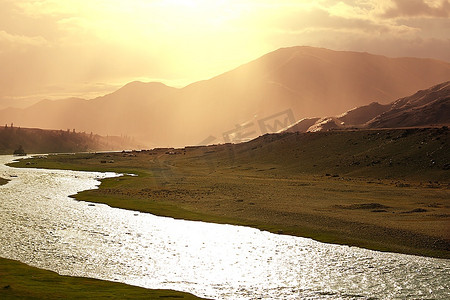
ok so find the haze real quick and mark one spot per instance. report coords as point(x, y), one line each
point(55, 49)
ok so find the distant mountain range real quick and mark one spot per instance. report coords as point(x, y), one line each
point(302, 81)
point(429, 107)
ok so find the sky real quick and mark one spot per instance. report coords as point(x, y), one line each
point(86, 48)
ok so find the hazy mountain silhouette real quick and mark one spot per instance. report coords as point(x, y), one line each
point(310, 82)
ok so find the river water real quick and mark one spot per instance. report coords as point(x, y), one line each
point(41, 226)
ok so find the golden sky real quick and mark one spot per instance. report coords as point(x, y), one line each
point(60, 48)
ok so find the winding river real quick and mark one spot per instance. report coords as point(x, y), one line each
point(41, 226)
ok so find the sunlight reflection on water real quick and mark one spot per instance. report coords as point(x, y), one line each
point(42, 226)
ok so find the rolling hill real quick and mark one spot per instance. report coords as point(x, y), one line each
point(425, 108)
point(305, 81)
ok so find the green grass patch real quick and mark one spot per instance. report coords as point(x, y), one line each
point(20, 281)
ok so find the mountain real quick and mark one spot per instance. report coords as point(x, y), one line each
point(137, 109)
point(356, 117)
point(302, 125)
point(6, 102)
point(363, 114)
point(301, 81)
point(426, 108)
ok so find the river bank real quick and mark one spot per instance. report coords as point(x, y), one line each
point(20, 281)
point(212, 184)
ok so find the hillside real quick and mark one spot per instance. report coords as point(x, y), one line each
point(415, 154)
point(57, 141)
point(310, 82)
point(426, 108)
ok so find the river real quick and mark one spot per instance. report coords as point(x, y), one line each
point(43, 227)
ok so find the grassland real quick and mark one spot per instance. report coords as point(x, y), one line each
point(379, 189)
point(20, 281)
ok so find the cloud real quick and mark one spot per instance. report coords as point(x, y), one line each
point(399, 47)
point(11, 42)
point(322, 19)
point(347, 26)
point(418, 8)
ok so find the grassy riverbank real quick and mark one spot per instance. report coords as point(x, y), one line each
point(385, 190)
point(20, 281)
